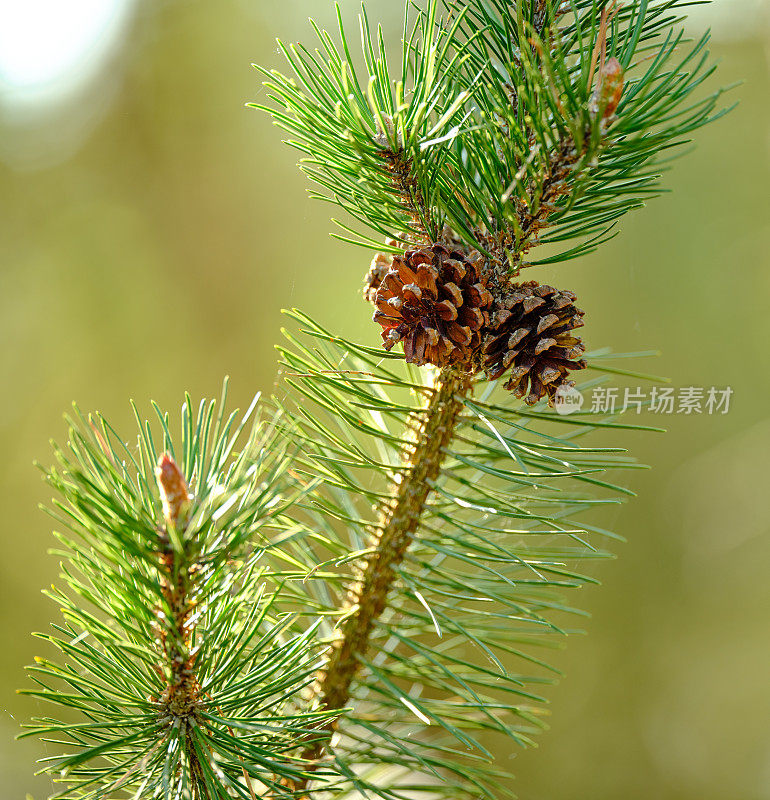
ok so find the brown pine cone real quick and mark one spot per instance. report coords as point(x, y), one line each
point(531, 336)
point(434, 300)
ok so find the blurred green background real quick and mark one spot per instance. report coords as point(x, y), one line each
point(151, 228)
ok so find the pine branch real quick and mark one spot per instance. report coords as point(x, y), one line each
point(399, 523)
point(343, 126)
point(170, 641)
point(352, 601)
point(535, 132)
point(402, 516)
point(474, 543)
point(604, 83)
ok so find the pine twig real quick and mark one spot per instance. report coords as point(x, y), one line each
point(400, 521)
point(180, 574)
point(399, 167)
point(183, 644)
point(456, 513)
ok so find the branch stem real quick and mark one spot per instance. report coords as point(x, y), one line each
point(405, 184)
point(179, 575)
point(400, 521)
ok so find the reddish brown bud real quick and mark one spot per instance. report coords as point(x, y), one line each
point(174, 493)
point(609, 89)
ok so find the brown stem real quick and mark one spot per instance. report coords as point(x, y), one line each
point(177, 561)
point(553, 186)
point(404, 182)
point(400, 521)
point(508, 246)
point(182, 693)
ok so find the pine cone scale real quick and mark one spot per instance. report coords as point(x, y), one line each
point(543, 345)
point(446, 311)
point(378, 269)
point(547, 322)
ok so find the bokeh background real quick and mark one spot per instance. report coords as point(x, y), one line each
point(151, 227)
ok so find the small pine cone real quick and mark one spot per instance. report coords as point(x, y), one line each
point(434, 300)
point(531, 339)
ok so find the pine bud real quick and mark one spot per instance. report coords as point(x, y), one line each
point(609, 89)
point(174, 493)
point(384, 137)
